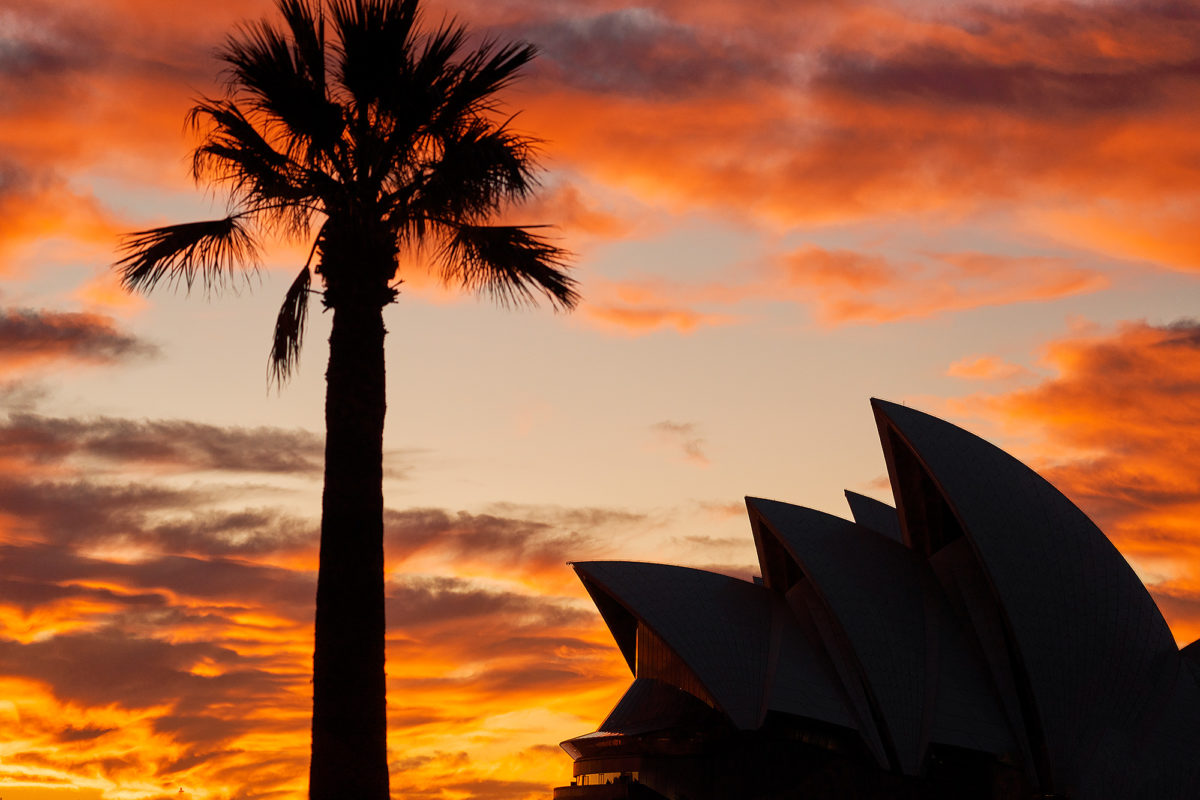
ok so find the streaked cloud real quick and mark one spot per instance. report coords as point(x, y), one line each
point(193, 612)
point(637, 321)
point(178, 556)
point(643, 52)
point(985, 368)
point(849, 287)
point(33, 337)
point(842, 287)
point(686, 437)
point(178, 444)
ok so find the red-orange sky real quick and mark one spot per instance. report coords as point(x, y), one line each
point(778, 210)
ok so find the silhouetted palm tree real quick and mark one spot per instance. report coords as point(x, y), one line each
point(382, 139)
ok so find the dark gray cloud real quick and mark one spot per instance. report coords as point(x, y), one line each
point(249, 531)
point(103, 667)
point(1183, 332)
point(173, 520)
point(84, 734)
point(202, 730)
point(415, 602)
point(222, 727)
point(41, 335)
point(531, 676)
point(76, 511)
point(479, 536)
point(28, 595)
point(640, 52)
point(532, 536)
point(1083, 79)
point(188, 445)
point(22, 395)
point(39, 41)
point(56, 52)
point(943, 78)
point(219, 580)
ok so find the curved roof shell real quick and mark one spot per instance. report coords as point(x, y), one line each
point(907, 649)
point(730, 635)
point(984, 613)
point(1087, 643)
point(874, 514)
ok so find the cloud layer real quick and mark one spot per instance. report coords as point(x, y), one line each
point(1115, 429)
point(156, 574)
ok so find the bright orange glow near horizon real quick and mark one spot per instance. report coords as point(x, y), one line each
point(776, 211)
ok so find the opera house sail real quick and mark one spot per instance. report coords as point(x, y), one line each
point(982, 639)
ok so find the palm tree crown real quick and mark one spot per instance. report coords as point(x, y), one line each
point(384, 137)
point(380, 139)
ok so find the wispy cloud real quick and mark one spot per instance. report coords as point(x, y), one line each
point(32, 337)
point(177, 444)
point(849, 287)
point(685, 436)
point(985, 368)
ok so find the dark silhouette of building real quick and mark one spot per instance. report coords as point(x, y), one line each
point(983, 639)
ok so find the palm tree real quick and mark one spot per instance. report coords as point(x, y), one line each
point(381, 140)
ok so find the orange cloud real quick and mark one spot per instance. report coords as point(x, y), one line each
point(985, 368)
point(572, 213)
point(195, 603)
point(876, 109)
point(37, 208)
point(1116, 430)
point(834, 112)
point(1162, 232)
point(646, 320)
point(842, 287)
point(194, 617)
point(852, 287)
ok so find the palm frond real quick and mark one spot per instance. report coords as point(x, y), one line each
point(234, 149)
point(260, 177)
point(307, 26)
point(374, 45)
point(281, 75)
point(211, 251)
point(510, 263)
point(434, 67)
point(469, 88)
point(489, 70)
point(478, 167)
point(413, 99)
point(289, 330)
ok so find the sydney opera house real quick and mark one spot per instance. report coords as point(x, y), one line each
point(982, 639)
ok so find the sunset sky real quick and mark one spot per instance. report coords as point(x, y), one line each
point(777, 210)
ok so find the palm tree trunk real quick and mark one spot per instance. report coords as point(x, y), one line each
point(349, 728)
